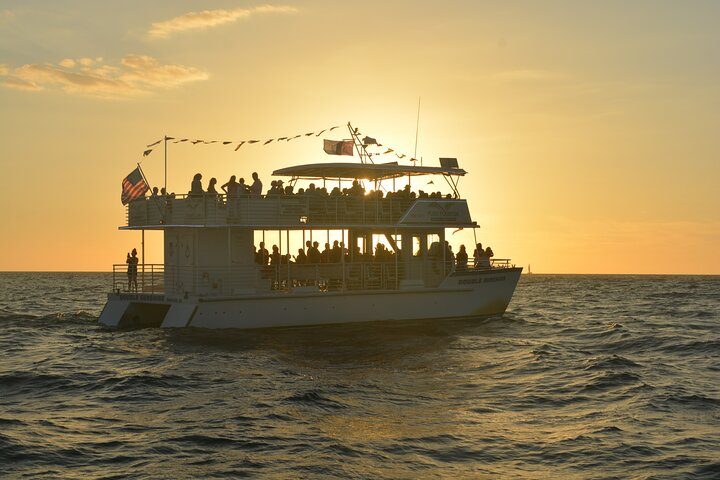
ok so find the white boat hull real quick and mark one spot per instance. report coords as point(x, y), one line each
point(472, 294)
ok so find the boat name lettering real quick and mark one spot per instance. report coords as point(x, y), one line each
point(471, 281)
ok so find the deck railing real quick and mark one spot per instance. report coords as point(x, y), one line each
point(215, 281)
point(269, 210)
point(139, 278)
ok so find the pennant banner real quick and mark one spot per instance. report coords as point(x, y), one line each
point(331, 147)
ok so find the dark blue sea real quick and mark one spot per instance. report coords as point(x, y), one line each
point(583, 377)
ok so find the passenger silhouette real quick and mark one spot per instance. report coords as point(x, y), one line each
point(256, 187)
point(196, 185)
point(132, 262)
point(462, 258)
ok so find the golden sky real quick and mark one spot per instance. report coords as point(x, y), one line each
point(591, 130)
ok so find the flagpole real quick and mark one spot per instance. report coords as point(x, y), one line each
point(165, 186)
point(417, 127)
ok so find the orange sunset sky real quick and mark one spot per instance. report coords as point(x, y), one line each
point(591, 130)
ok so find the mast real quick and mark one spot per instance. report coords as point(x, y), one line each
point(165, 183)
point(359, 146)
point(417, 128)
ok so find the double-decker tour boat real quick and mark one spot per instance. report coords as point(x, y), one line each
point(389, 261)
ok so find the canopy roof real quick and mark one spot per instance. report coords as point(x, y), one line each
point(363, 171)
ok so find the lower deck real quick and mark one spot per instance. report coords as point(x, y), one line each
point(468, 294)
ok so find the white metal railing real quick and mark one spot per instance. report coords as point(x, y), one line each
point(500, 263)
point(208, 209)
point(214, 281)
point(138, 278)
point(321, 277)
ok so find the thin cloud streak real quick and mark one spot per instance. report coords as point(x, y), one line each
point(136, 74)
point(212, 18)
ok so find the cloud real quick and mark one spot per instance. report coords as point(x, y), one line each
point(19, 84)
point(136, 74)
point(212, 18)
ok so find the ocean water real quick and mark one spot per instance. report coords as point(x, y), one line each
point(583, 377)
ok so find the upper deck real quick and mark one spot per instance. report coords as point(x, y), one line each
point(316, 208)
point(296, 212)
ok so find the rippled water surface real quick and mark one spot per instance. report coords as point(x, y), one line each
point(584, 377)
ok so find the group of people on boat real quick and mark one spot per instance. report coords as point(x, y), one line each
point(232, 188)
point(338, 253)
point(235, 188)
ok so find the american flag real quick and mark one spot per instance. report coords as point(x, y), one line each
point(133, 186)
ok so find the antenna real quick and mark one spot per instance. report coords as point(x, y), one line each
point(417, 128)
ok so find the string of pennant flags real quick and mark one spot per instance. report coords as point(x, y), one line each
point(367, 142)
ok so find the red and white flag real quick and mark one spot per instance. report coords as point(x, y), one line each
point(338, 147)
point(133, 186)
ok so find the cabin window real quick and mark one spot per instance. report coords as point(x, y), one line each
point(416, 246)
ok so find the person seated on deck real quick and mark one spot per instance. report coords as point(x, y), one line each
point(196, 185)
point(461, 258)
point(256, 187)
point(288, 190)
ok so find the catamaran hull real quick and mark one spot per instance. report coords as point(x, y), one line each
point(470, 294)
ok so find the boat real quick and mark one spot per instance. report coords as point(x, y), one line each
point(390, 260)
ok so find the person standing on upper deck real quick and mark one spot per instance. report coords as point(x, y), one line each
point(231, 188)
point(256, 187)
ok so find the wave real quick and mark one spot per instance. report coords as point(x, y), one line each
point(610, 381)
point(315, 399)
point(610, 363)
point(44, 319)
